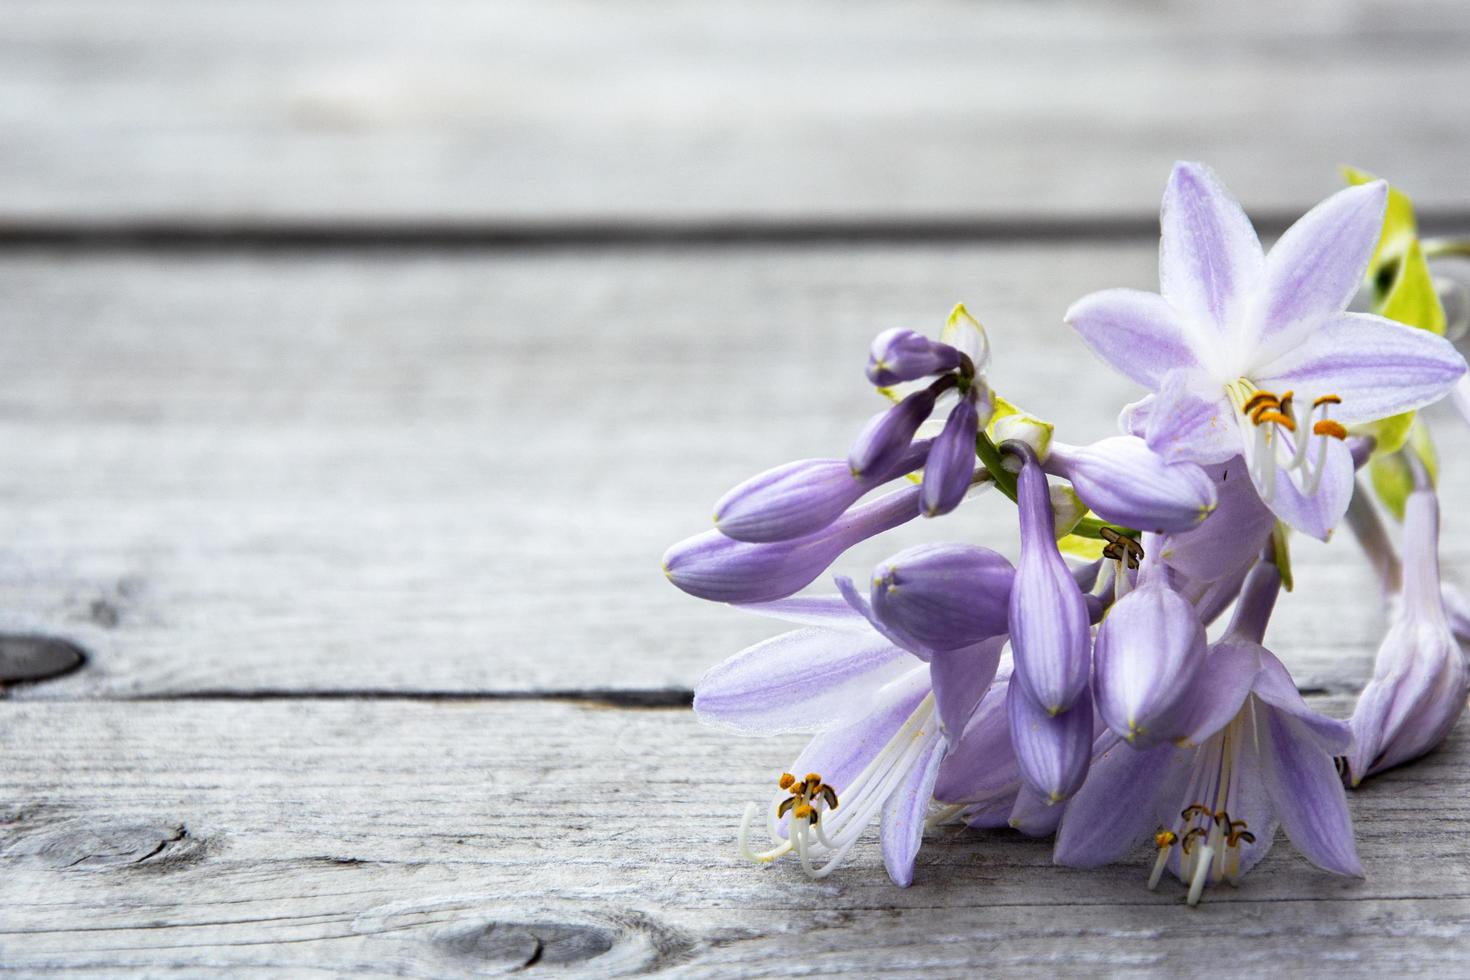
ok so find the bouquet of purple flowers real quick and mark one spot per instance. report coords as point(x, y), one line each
point(1083, 698)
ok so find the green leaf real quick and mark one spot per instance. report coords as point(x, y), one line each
point(1412, 298)
point(1389, 434)
point(1392, 475)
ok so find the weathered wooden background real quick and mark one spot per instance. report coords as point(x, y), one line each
point(360, 359)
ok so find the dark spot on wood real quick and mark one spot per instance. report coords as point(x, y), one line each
point(104, 613)
point(525, 944)
point(466, 934)
point(27, 658)
point(97, 845)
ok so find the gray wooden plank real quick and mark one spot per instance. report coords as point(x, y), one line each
point(257, 472)
point(411, 839)
point(526, 113)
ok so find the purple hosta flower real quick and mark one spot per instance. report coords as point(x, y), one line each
point(1253, 355)
point(1208, 564)
point(900, 355)
point(877, 742)
point(944, 596)
point(951, 464)
point(1050, 630)
point(1124, 481)
point(1254, 756)
point(1049, 704)
point(712, 566)
point(1421, 678)
point(886, 437)
point(802, 497)
point(1147, 654)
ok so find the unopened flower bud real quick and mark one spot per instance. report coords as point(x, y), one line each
point(1049, 622)
point(801, 497)
point(887, 435)
point(1124, 481)
point(1420, 678)
point(1148, 650)
point(946, 596)
point(721, 569)
point(951, 463)
point(1053, 751)
point(900, 355)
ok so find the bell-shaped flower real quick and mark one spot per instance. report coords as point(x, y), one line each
point(1148, 650)
point(1253, 355)
point(1421, 678)
point(712, 566)
point(1124, 481)
point(800, 498)
point(886, 437)
point(950, 468)
point(944, 595)
point(1049, 621)
point(1256, 757)
point(900, 355)
point(876, 747)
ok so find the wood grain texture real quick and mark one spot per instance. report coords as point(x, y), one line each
point(254, 472)
point(455, 838)
point(513, 114)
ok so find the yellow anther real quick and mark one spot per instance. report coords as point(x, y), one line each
point(1266, 415)
point(1258, 400)
point(803, 812)
point(1165, 838)
point(1329, 427)
point(786, 780)
point(1285, 407)
point(813, 780)
point(1327, 400)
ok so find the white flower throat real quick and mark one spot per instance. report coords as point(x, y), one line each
point(1282, 434)
point(1208, 839)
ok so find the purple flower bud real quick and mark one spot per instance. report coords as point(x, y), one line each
point(1053, 751)
point(902, 355)
point(1148, 651)
point(1049, 622)
point(951, 464)
point(712, 566)
point(801, 497)
point(887, 435)
point(1420, 679)
point(946, 596)
point(1124, 481)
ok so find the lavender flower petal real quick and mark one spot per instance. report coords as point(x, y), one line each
point(1378, 367)
point(804, 680)
point(901, 828)
point(1210, 260)
point(1305, 789)
point(1316, 266)
point(960, 679)
point(1138, 334)
point(982, 765)
point(1033, 815)
point(1113, 812)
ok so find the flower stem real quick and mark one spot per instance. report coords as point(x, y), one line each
point(994, 462)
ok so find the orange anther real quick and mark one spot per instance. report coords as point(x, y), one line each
point(1329, 427)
